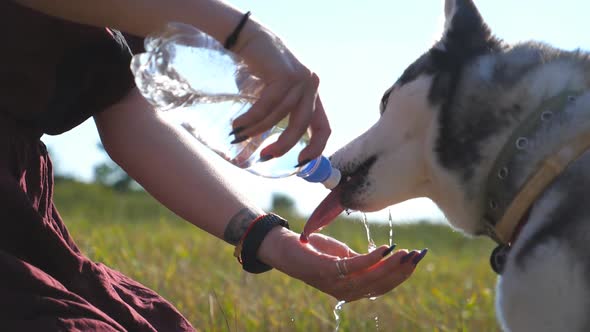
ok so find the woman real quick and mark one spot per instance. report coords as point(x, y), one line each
point(60, 67)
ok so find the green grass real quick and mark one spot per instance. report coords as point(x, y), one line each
point(452, 289)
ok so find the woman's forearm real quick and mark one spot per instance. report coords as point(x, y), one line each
point(165, 162)
point(142, 17)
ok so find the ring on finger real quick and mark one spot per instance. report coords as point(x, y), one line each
point(341, 268)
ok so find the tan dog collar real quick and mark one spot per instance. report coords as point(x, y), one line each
point(506, 206)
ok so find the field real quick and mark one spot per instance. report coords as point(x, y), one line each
point(452, 289)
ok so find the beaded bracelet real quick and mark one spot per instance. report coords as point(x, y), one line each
point(247, 249)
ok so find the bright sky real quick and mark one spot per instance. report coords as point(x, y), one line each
point(358, 48)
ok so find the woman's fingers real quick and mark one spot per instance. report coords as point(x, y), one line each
point(295, 99)
point(300, 117)
point(320, 132)
point(361, 263)
point(382, 277)
point(328, 265)
point(291, 90)
point(330, 246)
point(400, 269)
point(277, 113)
point(270, 96)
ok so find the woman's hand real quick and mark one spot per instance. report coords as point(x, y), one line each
point(333, 268)
point(291, 89)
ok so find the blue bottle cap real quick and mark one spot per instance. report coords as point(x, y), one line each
point(317, 170)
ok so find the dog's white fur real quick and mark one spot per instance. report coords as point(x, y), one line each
point(523, 293)
point(551, 293)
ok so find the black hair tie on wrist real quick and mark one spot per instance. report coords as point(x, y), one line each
point(232, 39)
point(260, 229)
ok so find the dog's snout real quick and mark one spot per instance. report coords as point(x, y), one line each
point(355, 174)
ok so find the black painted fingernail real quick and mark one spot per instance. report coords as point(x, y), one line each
point(302, 163)
point(266, 158)
point(236, 131)
point(389, 250)
point(239, 140)
point(421, 255)
point(408, 256)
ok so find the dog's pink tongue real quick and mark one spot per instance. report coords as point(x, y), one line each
point(327, 211)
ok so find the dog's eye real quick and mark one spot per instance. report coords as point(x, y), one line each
point(384, 100)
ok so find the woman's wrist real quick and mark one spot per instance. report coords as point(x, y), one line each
point(248, 246)
point(271, 250)
point(221, 20)
point(249, 31)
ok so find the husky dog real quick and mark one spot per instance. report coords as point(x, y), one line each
point(495, 135)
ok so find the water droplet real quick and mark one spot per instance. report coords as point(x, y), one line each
point(337, 310)
point(390, 228)
point(371, 245)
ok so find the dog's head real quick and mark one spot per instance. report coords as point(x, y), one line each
point(411, 145)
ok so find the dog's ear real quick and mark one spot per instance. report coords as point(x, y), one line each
point(466, 34)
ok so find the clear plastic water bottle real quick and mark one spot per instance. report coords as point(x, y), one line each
point(198, 84)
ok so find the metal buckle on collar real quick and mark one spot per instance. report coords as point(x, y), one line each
point(498, 258)
point(500, 253)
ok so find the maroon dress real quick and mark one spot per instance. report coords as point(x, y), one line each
point(54, 75)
